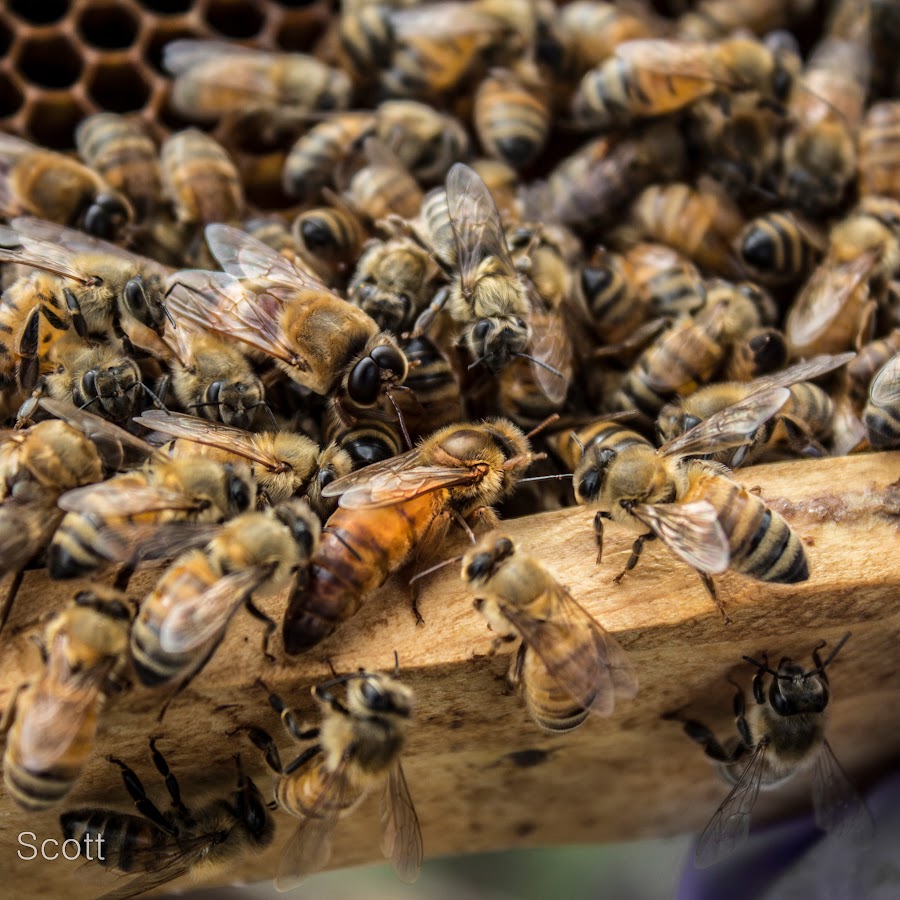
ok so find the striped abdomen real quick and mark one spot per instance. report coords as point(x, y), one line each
point(778, 248)
point(127, 840)
point(552, 707)
point(763, 546)
point(512, 121)
point(358, 550)
point(300, 794)
point(879, 151)
point(597, 436)
point(367, 439)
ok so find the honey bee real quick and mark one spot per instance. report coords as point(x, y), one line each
point(77, 283)
point(99, 516)
point(357, 751)
point(271, 305)
point(690, 351)
point(215, 79)
point(434, 389)
point(156, 847)
point(865, 366)
point(201, 179)
point(878, 167)
point(567, 664)
point(713, 19)
point(399, 507)
point(58, 188)
point(502, 181)
point(758, 352)
point(512, 115)
point(835, 309)
point(50, 724)
point(782, 732)
point(826, 108)
point(383, 187)
point(122, 152)
point(804, 422)
point(393, 282)
point(329, 239)
point(701, 224)
point(284, 464)
point(779, 248)
point(881, 416)
point(183, 619)
point(311, 163)
point(272, 230)
point(705, 518)
point(365, 438)
point(646, 78)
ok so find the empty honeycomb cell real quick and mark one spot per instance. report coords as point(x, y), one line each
point(39, 12)
point(6, 37)
point(11, 98)
point(167, 7)
point(49, 61)
point(118, 87)
point(52, 121)
point(235, 18)
point(109, 26)
point(156, 43)
point(296, 4)
point(299, 32)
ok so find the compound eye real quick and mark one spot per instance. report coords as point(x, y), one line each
point(504, 548)
point(690, 422)
point(589, 486)
point(98, 223)
point(365, 382)
point(482, 329)
point(135, 299)
point(90, 381)
point(390, 358)
point(238, 493)
point(214, 391)
point(781, 84)
point(482, 565)
point(520, 323)
point(374, 698)
point(325, 477)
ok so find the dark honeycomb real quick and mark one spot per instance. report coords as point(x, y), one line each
point(61, 60)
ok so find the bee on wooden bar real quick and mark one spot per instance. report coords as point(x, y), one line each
point(881, 416)
point(567, 664)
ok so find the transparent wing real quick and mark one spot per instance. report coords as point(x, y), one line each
point(354, 479)
point(401, 840)
point(127, 542)
point(181, 55)
point(445, 20)
point(21, 250)
point(804, 371)
point(885, 387)
point(218, 302)
point(388, 488)
point(691, 531)
point(730, 825)
point(550, 346)
point(837, 806)
point(212, 434)
point(194, 622)
point(476, 224)
point(578, 652)
point(729, 427)
point(123, 497)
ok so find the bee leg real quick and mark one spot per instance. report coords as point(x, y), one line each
point(12, 589)
point(701, 735)
point(75, 315)
point(759, 692)
point(801, 440)
point(430, 542)
point(308, 754)
point(598, 532)
point(290, 721)
point(514, 676)
point(428, 315)
point(29, 365)
point(123, 576)
point(171, 782)
point(144, 805)
point(257, 613)
point(262, 740)
point(26, 412)
point(711, 590)
point(636, 549)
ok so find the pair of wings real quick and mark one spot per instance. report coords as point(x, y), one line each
point(837, 806)
point(308, 849)
point(884, 392)
point(595, 677)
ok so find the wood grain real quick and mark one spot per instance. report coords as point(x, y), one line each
point(482, 775)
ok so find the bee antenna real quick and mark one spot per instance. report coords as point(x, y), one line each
point(89, 403)
point(524, 458)
point(435, 568)
point(268, 409)
point(546, 477)
point(763, 667)
point(574, 435)
point(406, 437)
point(396, 664)
point(157, 402)
point(538, 428)
point(477, 362)
point(540, 363)
point(830, 656)
point(167, 314)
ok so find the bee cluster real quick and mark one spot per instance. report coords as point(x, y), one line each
point(604, 243)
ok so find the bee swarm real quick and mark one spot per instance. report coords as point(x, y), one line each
point(584, 183)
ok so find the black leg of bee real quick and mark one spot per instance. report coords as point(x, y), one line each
point(817, 660)
point(75, 315)
point(29, 364)
point(144, 805)
point(636, 549)
point(598, 533)
point(290, 721)
point(323, 695)
point(308, 754)
point(711, 590)
point(759, 691)
point(701, 735)
point(801, 440)
point(515, 670)
point(262, 740)
point(13, 588)
point(270, 624)
point(171, 782)
point(123, 576)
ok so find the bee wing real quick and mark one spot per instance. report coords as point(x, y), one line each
point(837, 806)
point(181, 55)
point(212, 434)
point(804, 371)
point(445, 20)
point(114, 443)
point(53, 720)
point(823, 297)
point(730, 825)
point(885, 387)
point(389, 488)
point(476, 224)
point(684, 59)
point(130, 542)
point(729, 427)
point(218, 302)
point(116, 498)
point(592, 676)
point(691, 531)
point(243, 256)
point(192, 623)
point(550, 346)
point(38, 254)
point(401, 839)
point(19, 541)
point(12, 147)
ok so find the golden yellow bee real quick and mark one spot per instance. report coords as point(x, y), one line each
point(780, 247)
point(329, 239)
point(713, 19)
point(879, 170)
point(357, 751)
point(881, 416)
point(50, 724)
point(567, 664)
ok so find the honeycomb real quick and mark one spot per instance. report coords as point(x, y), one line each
point(61, 60)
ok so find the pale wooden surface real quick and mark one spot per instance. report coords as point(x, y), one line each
point(622, 778)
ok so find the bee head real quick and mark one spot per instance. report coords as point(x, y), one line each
point(144, 303)
point(373, 694)
point(233, 402)
point(494, 342)
point(106, 215)
point(303, 524)
point(486, 558)
point(250, 810)
point(384, 364)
